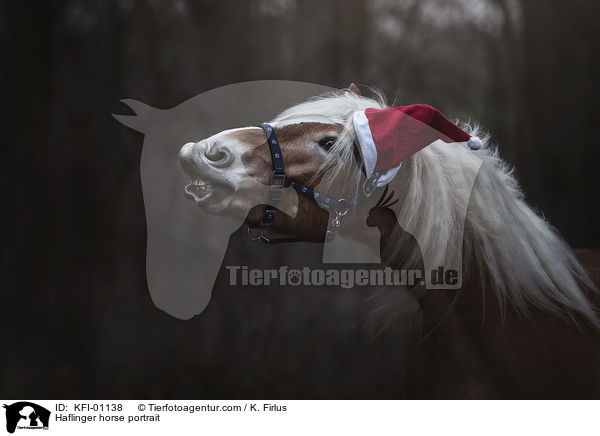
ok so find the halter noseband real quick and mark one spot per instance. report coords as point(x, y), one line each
point(278, 181)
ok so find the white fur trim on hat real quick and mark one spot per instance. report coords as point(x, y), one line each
point(365, 139)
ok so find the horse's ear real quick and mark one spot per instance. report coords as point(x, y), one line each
point(354, 89)
point(144, 115)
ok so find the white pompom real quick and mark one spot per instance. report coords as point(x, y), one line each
point(475, 143)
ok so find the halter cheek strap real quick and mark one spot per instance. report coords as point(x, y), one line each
point(278, 181)
point(278, 178)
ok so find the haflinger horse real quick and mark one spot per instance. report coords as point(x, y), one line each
point(524, 323)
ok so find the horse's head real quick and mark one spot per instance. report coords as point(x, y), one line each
point(230, 172)
point(227, 170)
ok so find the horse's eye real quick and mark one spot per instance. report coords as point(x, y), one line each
point(327, 142)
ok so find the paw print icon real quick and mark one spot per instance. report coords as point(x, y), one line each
point(294, 277)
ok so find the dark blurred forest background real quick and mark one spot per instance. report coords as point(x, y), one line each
point(77, 319)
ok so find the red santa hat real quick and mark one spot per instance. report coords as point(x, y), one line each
point(388, 136)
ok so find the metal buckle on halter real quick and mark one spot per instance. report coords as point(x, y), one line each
point(268, 217)
point(371, 184)
point(276, 189)
point(341, 208)
point(255, 234)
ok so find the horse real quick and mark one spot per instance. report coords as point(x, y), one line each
point(524, 322)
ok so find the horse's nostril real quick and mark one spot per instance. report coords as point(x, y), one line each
point(214, 154)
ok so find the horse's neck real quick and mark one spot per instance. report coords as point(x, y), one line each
point(445, 358)
point(448, 321)
point(455, 316)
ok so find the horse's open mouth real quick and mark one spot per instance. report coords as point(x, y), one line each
point(199, 190)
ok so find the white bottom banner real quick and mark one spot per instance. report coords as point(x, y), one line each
point(300, 417)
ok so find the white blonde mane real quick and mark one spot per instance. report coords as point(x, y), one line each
point(513, 249)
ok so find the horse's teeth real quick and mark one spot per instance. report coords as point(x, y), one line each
point(199, 183)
